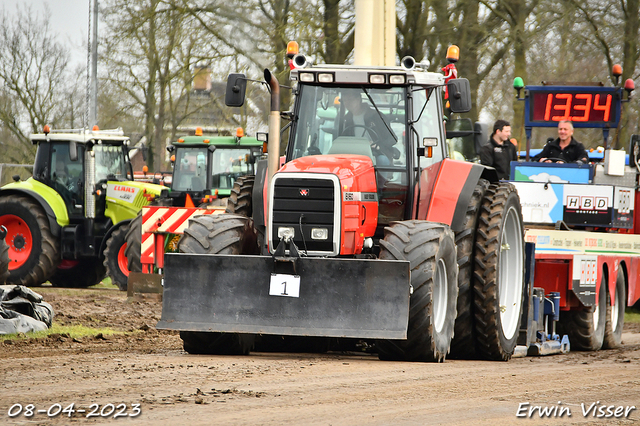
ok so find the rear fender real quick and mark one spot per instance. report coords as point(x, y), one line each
point(452, 192)
point(50, 201)
point(103, 244)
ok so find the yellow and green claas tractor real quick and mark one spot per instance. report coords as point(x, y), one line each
point(67, 223)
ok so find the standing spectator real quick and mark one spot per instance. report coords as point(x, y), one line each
point(499, 152)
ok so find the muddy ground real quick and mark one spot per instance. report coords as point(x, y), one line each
point(151, 381)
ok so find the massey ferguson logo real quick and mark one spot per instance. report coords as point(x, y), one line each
point(304, 192)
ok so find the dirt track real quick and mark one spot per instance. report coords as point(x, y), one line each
point(149, 368)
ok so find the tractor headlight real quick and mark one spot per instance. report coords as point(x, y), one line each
point(286, 232)
point(319, 233)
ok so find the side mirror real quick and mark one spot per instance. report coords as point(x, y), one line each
point(459, 95)
point(73, 151)
point(236, 89)
point(481, 135)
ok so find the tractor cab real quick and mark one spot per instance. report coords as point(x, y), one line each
point(66, 158)
point(377, 130)
point(206, 167)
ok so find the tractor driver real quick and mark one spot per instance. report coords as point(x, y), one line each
point(61, 176)
point(363, 121)
point(564, 149)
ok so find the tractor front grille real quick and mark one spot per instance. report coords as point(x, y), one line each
point(304, 203)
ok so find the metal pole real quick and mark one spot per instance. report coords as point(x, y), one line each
point(274, 126)
point(93, 98)
point(375, 37)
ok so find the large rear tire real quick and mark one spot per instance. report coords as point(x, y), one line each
point(615, 314)
point(134, 244)
point(431, 251)
point(115, 260)
point(33, 250)
point(463, 345)
point(218, 234)
point(499, 272)
point(4, 257)
point(81, 274)
point(240, 200)
point(586, 328)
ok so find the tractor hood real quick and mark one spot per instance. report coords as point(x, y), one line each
point(336, 194)
point(348, 167)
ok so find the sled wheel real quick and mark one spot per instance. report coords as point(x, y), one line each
point(615, 314)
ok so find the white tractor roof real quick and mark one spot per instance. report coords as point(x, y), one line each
point(81, 136)
point(352, 74)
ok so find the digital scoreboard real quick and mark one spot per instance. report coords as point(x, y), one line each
point(584, 106)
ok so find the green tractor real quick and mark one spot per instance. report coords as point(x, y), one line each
point(67, 223)
point(208, 172)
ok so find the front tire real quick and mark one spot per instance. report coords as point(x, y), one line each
point(115, 260)
point(33, 250)
point(431, 251)
point(499, 272)
point(80, 274)
point(240, 200)
point(615, 314)
point(218, 234)
point(133, 239)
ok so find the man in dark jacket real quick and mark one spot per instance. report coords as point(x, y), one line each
point(363, 121)
point(499, 152)
point(565, 149)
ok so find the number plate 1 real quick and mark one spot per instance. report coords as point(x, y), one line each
point(284, 285)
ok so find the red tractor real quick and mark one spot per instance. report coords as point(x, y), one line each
point(369, 231)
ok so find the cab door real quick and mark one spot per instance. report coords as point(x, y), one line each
point(67, 177)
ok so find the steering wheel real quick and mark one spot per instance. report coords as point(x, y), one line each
point(314, 150)
point(555, 160)
point(372, 133)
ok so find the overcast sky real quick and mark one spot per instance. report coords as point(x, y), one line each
point(68, 19)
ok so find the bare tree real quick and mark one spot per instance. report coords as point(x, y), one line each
point(613, 29)
point(35, 82)
point(151, 48)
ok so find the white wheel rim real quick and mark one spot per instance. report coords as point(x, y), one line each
point(615, 311)
point(440, 295)
point(511, 273)
point(596, 314)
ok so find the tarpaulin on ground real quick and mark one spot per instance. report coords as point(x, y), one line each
point(22, 310)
